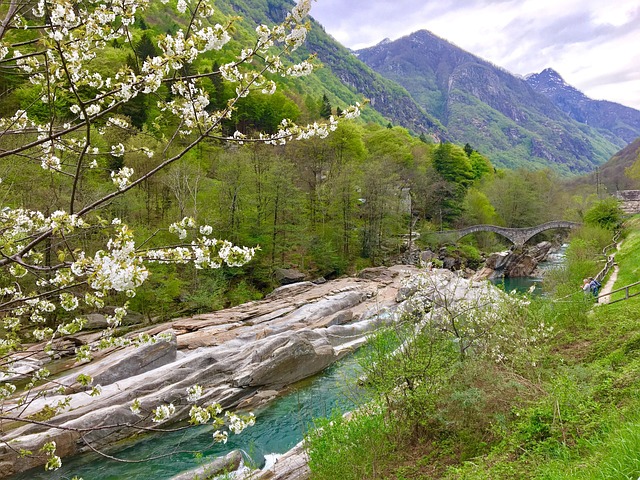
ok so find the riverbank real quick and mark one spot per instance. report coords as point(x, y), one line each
point(568, 413)
point(269, 344)
point(243, 357)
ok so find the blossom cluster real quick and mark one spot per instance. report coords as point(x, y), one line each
point(482, 319)
point(203, 252)
point(50, 272)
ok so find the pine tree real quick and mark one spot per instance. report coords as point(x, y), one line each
point(325, 108)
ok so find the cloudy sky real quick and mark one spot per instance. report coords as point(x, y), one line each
point(593, 44)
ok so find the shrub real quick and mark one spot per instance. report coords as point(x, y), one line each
point(350, 449)
point(605, 213)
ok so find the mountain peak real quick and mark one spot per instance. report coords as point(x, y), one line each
point(623, 122)
point(551, 73)
point(488, 107)
point(547, 79)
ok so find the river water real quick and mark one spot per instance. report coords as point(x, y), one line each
point(279, 426)
point(522, 284)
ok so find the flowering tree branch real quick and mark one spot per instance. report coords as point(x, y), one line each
point(67, 127)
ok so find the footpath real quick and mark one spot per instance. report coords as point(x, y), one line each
point(608, 287)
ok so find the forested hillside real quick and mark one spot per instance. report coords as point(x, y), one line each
point(325, 206)
point(612, 119)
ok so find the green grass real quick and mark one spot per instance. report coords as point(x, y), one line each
point(627, 259)
point(575, 415)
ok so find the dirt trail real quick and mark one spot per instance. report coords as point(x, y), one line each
point(610, 283)
point(608, 287)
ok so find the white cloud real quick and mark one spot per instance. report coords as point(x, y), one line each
point(594, 45)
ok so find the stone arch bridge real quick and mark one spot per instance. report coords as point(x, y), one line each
point(517, 236)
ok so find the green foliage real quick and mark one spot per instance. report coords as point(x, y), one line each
point(605, 213)
point(469, 255)
point(480, 165)
point(525, 198)
point(584, 260)
point(325, 107)
point(628, 253)
point(145, 48)
point(263, 113)
point(208, 292)
point(355, 448)
point(243, 292)
point(572, 416)
point(478, 208)
point(453, 164)
point(160, 295)
point(410, 379)
point(390, 144)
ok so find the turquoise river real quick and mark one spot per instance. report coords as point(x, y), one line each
point(279, 426)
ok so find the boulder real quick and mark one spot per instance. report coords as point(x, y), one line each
point(289, 290)
point(128, 362)
point(427, 256)
point(405, 292)
point(497, 260)
point(259, 399)
point(451, 263)
point(95, 321)
point(138, 360)
point(20, 368)
point(521, 265)
point(287, 359)
point(292, 465)
point(380, 274)
point(514, 263)
point(286, 276)
point(541, 251)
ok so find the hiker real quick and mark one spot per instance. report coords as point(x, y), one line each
point(594, 286)
point(586, 287)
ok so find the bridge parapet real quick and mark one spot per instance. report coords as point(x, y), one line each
point(517, 236)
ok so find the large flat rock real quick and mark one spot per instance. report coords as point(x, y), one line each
point(249, 351)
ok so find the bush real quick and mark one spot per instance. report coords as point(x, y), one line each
point(208, 294)
point(243, 292)
point(605, 213)
point(351, 449)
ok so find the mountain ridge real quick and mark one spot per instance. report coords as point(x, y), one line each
point(485, 105)
point(620, 120)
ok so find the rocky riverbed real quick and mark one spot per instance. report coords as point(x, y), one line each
point(242, 357)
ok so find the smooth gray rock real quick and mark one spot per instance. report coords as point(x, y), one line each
point(264, 346)
point(95, 321)
point(137, 360)
point(221, 465)
point(292, 465)
point(289, 290)
point(297, 357)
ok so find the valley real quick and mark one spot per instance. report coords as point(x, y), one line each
point(205, 204)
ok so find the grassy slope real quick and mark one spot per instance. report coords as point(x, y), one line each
point(574, 414)
point(592, 384)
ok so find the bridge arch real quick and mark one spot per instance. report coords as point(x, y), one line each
point(517, 236)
